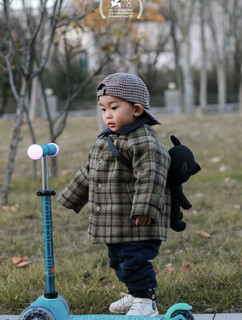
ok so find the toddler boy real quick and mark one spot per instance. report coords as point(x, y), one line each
point(129, 210)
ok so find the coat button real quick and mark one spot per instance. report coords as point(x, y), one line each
point(98, 208)
point(100, 161)
point(99, 185)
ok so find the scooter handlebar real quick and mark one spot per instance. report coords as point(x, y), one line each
point(36, 151)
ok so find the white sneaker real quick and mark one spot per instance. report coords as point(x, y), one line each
point(122, 305)
point(143, 307)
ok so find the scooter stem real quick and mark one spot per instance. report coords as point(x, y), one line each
point(47, 232)
point(45, 176)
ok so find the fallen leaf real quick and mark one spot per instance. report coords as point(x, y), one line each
point(223, 168)
point(17, 260)
point(203, 234)
point(166, 252)
point(12, 208)
point(215, 160)
point(156, 269)
point(65, 172)
point(22, 264)
point(186, 267)
point(237, 206)
point(169, 268)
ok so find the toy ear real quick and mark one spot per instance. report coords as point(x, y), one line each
point(175, 141)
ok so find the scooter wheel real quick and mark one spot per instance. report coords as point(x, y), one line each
point(184, 314)
point(36, 313)
point(63, 301)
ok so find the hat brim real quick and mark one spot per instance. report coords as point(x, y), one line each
point(152, 118)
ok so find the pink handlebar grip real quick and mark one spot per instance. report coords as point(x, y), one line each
point(36, 151)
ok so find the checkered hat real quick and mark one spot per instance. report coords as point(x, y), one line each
point(130, 88)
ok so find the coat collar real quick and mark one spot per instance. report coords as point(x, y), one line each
point(125, 130)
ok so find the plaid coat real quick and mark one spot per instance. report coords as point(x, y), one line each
point(115, 195)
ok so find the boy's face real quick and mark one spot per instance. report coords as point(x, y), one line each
point(118, 113)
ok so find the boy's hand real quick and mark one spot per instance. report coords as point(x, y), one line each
point(142, 220)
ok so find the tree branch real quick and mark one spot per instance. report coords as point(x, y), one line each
point(37, 28)
point(9, 29)
point(70, 99)
point(7, 59)
point(55, 15)
point(75, 19)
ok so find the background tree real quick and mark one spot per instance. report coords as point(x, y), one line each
point(184, 19)
point(219, 41)
point(234, 10)
point(182, 12)
point(19, 50)
point(176, 50)
point(57, 123)
point(66, 57)
point(203, 67)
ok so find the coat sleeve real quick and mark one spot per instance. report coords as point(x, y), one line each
point(75, 194)
point(151, 163)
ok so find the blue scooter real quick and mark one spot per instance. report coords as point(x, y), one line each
point(51, 305)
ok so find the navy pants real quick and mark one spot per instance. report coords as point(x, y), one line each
point(131, 262)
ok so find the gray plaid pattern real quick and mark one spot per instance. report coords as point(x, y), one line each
point(128, 87)
point(115, 194)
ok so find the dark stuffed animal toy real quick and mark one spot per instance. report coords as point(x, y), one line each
point(183, 166)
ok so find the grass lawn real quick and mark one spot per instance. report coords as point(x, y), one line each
point(204, 272)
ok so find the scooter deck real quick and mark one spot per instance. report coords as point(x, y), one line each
point(110, 317)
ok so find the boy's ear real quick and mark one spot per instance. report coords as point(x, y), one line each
point(138, 109)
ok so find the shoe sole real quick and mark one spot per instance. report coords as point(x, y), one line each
point(152, 314)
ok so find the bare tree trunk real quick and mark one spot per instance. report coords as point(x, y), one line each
point(240, 96)
point(183, 11)
point(187, 75)
point(36, 101)
point(177, 55)
point(235, 23)
point(33, 137)
point(203, 68)
point(3, 98)
point(221, 78)
point(220, 53)
point(237, 64)
point(14, 143)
